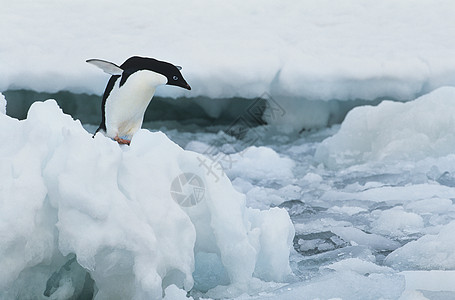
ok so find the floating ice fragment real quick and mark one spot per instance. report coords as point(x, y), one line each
point(359, 266)
point(397, 222)
point(427, 253)
point(259, 163)
point(318, 242)
point(297, 207)
point(446, 179)
point(360, 237)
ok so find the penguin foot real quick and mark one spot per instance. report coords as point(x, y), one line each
point(122, 141)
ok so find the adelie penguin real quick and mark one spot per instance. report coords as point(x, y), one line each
point(130, 90)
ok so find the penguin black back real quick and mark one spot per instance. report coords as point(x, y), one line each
point(107, 91)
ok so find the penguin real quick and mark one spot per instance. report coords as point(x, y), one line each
point(130, 90)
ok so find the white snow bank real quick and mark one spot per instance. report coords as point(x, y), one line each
point(394, 131)
point(430, 252)
point(304, 49)
point(117, 209)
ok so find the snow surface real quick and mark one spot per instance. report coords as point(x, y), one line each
point(297, 51)
point(236, 48)
point(64, 193)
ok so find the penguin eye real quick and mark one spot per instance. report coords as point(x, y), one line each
point(175, 77)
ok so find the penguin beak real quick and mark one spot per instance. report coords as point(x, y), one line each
point(181, 83)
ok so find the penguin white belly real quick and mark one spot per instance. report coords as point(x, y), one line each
point(126, 105)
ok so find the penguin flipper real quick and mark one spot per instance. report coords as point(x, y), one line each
point(106, 66)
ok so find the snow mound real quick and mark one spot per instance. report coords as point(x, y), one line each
point(394, 131)
point(430, 252)
point(298, 49)
point(137, 219)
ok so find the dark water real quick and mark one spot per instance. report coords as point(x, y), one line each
point(87, 108)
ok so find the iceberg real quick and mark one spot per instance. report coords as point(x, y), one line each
point(85, 215)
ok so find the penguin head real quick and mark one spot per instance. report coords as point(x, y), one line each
point(136, 63)
point(174, 77)
point(171, 72)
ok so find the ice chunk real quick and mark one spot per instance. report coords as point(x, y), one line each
point(397, 222)
point(344, 285)
point(359, 266)
point(412, 295)
point(434, 280)
point(427, 253)
point(276, 233)
point(316, 243)
point(259, 163)
point(312, 178)
point(349, 210)
point(359, 237)
point(446, 179)
point(27, 220)
point(393, 193)
point(172, 292)
point(120, 211)
point(432, 205)
point(297, 207)
point(263, 197)
point(394, 131)
point(319, 225)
